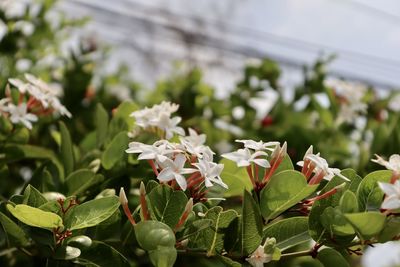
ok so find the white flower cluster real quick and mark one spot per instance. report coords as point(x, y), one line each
point(253, 152)
point(314, 163)
point(352, 94)
point(392, 189)
point(159, 117)
point(40, 99)
point(169, 160)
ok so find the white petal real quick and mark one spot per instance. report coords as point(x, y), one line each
point(166, 175)
point(388, 189)
point(391, 203)
point(181, 181)
point(262, 162)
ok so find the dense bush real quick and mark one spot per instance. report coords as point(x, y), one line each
point(69, 146)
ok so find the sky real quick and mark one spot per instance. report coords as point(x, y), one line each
point(364, 34)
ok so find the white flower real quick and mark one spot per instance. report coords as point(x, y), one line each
point(169, 125)
point(393, 164)
point(260, 145)
point(42, 92)
point(194, 144)
point(352, 93)
point(159, 116)
point(194, 138)
point(19, 114)
point(211, 172)
point(321, 166)
point(259, 257)
point(147, 152)
point(394, 103)
point(243, 158)
point(392, 191)
point(174, 170)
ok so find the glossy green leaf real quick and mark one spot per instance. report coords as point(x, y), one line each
point(369, 195)
point(152, 234)
point(288, 232)
point(251, 225)
point(15, 235)
point(316, 228)
point(284, 190)
point(367, 224)
point(124, 110)
point(80, 180)
point(66, 150)
point(348, 202)
point(335, 223)
point(101, 121)
point(213, 237)
point(33, 198)
point(391, 229)
point(166, 205)
point(235, 178)
point(163, 256)
point(91, 213)
point(35, 217)
point(102, 254)
point(115, 150)
point(331, 258)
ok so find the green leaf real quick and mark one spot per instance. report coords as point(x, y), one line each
point(316, 228)
point(15, 153)
point(369, 195)
point(251, 226)
point(391, 229)
point(235, 178)
point(335, 223)
point(213, 237)
point(167, 205)
point(331, 258)
point(91, 213)
point(284, 190)
point(348, 202)
point(101, 118)
point(367, 224)
point(115, 150)
point(229, 262)
point(195, 227)
point(33, 198)
point(15, 235)
point(124, 111)
point(288, 232)
point(35, 217)
point(66, 150)
point(163, 256)
point(101, 254)
point(152, 234)
point(80, 180)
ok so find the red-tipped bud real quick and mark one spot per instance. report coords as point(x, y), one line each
point(143, 203)
point(124, 202)
point(122, 197)
point(188, 210)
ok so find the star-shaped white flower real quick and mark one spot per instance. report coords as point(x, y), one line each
point(321, 166)
point(147, 152)
point(258, 258)
point(393, 164)
point(260, 145)
point(19, 114)
point(211, 172)
point(169, 125)
point(392, 191)
point(174, 170)
point(244, 157)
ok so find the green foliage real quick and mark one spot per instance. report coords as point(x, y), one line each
point(284, 190)
point(58, 180)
